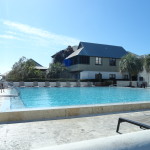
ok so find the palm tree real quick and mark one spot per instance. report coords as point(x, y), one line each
point(147, 65)
point(132, 64)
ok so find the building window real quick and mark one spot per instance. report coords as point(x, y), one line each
point(112, 62)
point(98, 76)
point(98, 61)
point(112, 76)
point(140, 78)
point(84, 59)
point(79, 60)
point(126, 77)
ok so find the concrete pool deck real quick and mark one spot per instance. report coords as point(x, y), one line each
point(2, 96)
point(40, 134)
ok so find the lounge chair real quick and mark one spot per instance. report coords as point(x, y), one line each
point(78, 84)
point(83, 84)
point(21, 84)
point(28, 84)
point(65, 84)
point(58, 84)
point(141, 125)
point(47, 84)
point(62, 84)
point(52, 84)
point(41, 84)
point(68, 84)
point(73, 84)
point(35, 84)
point(89, 84)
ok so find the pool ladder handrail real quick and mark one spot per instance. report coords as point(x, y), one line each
point(12, 86)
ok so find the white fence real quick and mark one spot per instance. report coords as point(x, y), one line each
point(126, 83)
point(71, 84)
point(52, 84)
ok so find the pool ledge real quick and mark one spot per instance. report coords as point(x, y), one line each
point(65, 112)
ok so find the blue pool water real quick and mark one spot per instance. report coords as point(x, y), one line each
point(56, 97)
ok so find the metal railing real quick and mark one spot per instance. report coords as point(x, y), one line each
point(11, 86)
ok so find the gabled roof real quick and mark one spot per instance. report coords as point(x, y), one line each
point(38, 66)
point(99, 50)
point(35, 63)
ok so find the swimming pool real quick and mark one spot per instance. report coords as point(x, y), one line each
point(57, 97)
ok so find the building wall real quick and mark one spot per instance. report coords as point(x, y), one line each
point(105, 67)
point(126, 83)
point(146, 77)
point(105, 75)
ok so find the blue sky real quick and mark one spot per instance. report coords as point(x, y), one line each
point(39, 28)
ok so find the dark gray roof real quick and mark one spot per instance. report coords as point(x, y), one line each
point(38, 66)
point(35, 63)
point(99, 50)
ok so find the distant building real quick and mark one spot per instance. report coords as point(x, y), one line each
point(62, 54)
point(91, 61)
point(38, 66)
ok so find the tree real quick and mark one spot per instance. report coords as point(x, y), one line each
point(132, 64)
point(24, 69)
point(56, 70)
point(30, 71)
point(147, 65)
point(17, 72)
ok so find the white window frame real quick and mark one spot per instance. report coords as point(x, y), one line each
point(98, 61)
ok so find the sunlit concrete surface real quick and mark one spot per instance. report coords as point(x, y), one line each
point(3, 94)
point(129, 141)
point(8, 115)
point(40, 134)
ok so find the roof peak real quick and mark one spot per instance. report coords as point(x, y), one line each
point(36, 63)
point(99, 44)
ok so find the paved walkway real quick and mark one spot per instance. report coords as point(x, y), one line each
point(28, 135)
point(3, 94)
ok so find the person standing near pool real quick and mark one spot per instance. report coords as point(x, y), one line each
point(2, 87)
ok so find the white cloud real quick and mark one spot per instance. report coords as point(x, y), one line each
point(18, 40)
point(39, 33)
point(11, 32)
point(5, 36)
